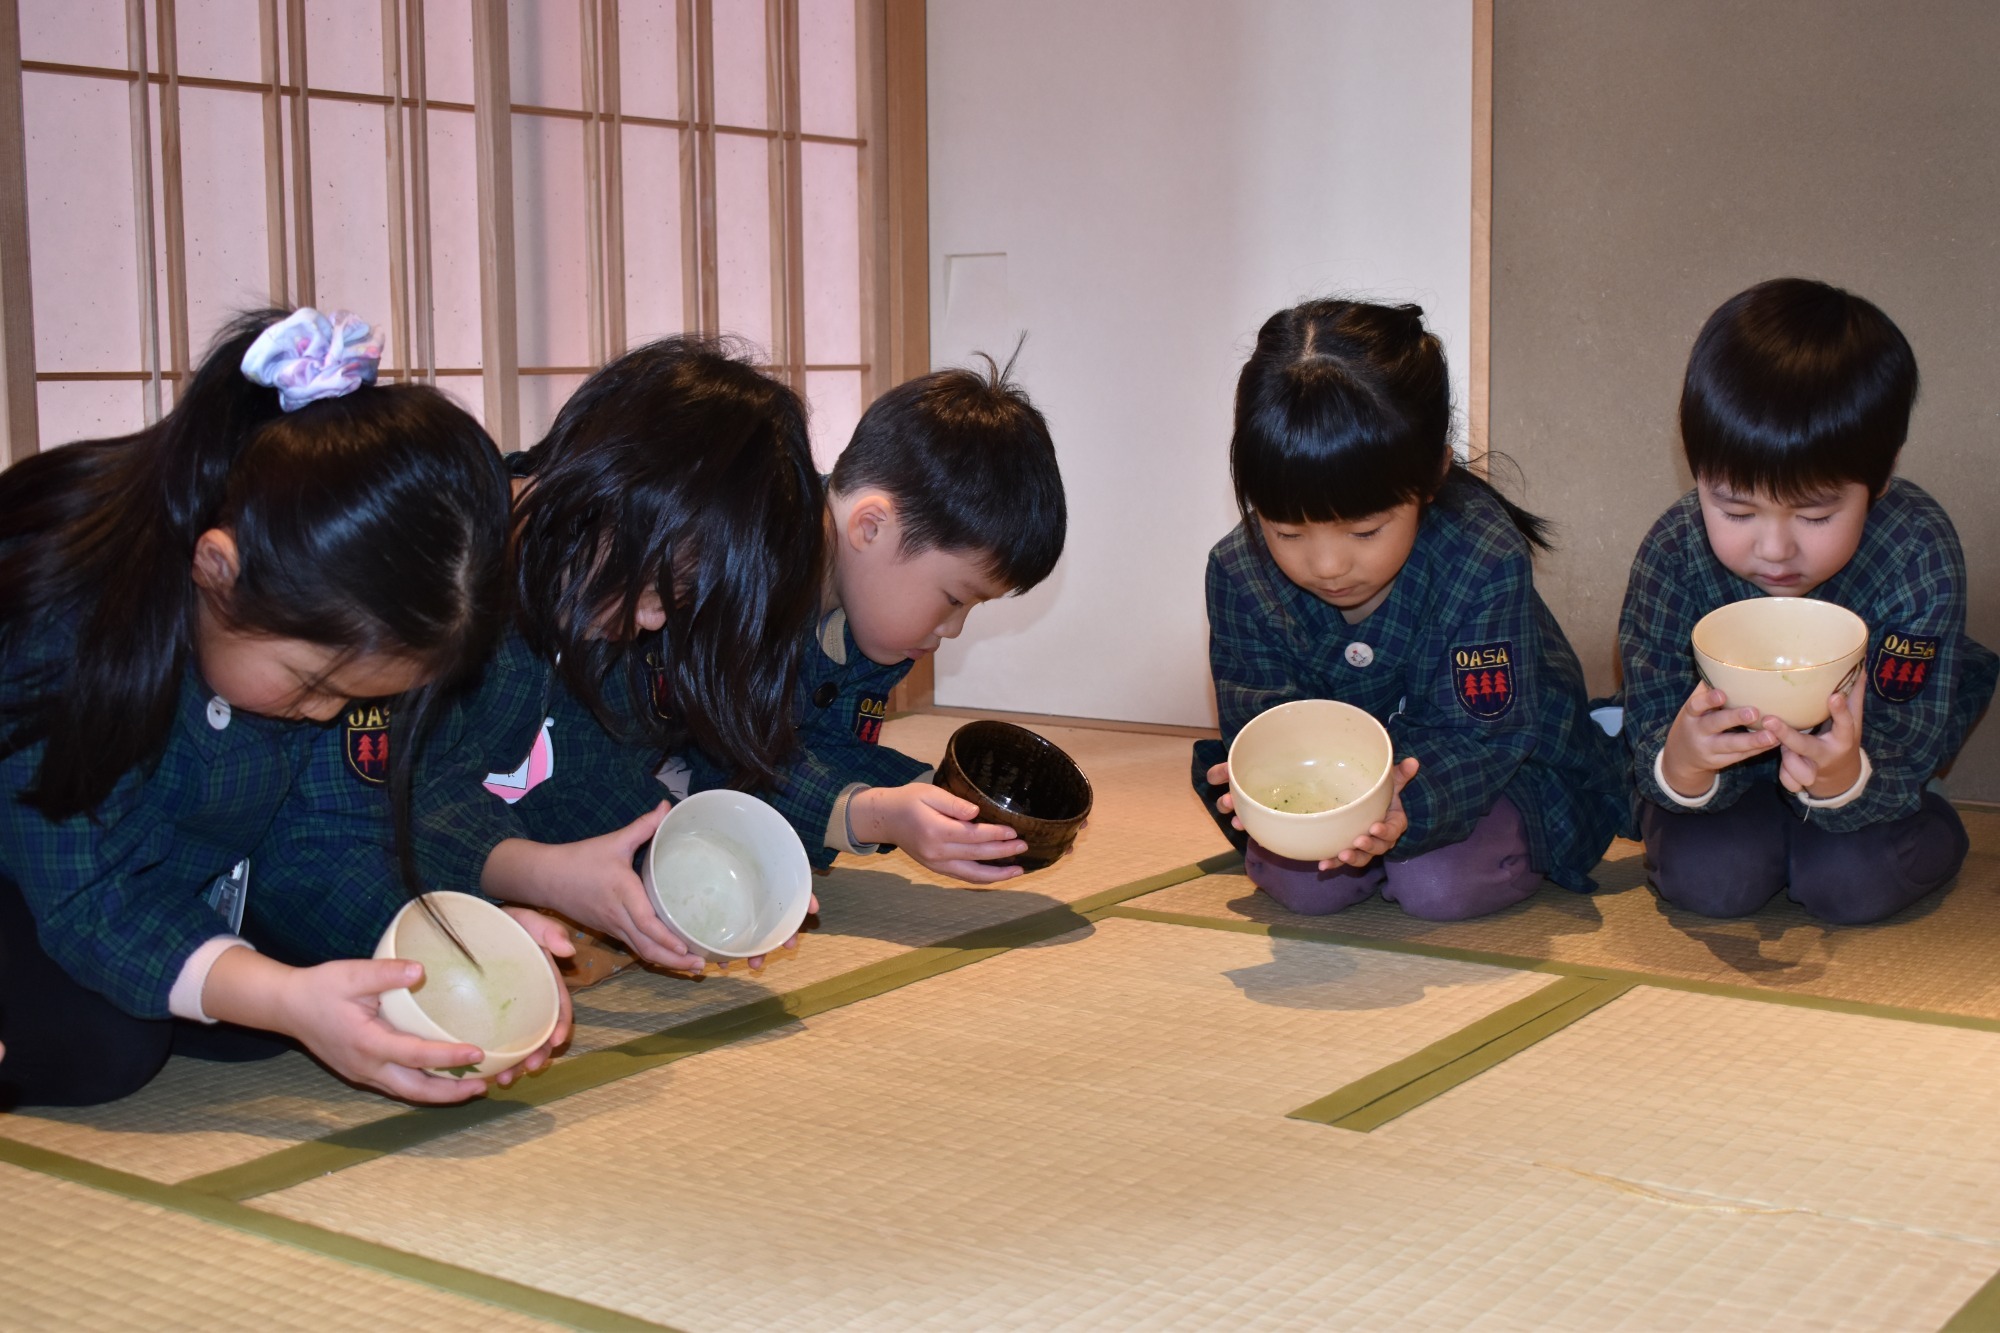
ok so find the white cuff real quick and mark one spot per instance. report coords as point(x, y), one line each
point(1691, 802)
point(1850, 795)
point(184, 1000)
point(839, 828)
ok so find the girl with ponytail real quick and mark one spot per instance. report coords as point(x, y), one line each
point(181, 610)
point(1372, 567)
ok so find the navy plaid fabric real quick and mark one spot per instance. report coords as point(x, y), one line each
point(1468, 585)
point(1907, 579)
point(119, 897)
point(840, 708)
point(329, 853)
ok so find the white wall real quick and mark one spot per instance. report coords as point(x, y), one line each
point(1138, 184)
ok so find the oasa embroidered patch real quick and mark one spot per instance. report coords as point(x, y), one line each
point(1902, 663)
point(1483, 679)
point(870, 712)
point(367, 743)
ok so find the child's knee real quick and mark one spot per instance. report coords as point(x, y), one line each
point(1441, 887)
point(1302, 887)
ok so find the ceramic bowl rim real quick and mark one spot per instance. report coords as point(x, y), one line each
point(1694, 636)
point(1388, 746)
point(1089, 791)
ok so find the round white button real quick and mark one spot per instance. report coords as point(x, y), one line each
point(1359, 654)
point(218, 712)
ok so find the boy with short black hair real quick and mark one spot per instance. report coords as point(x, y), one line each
point(947, 496)
point(1795, 407)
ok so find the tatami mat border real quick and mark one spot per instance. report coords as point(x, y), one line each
point(1522, 963)
point(363, 1143)
point(484, 1287)
point(1371, 1102)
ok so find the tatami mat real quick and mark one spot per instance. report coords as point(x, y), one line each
point(1727, 1103)
point(76, 1258)
point(1090, 1133)
point(1938, 955)
point(198, 1118)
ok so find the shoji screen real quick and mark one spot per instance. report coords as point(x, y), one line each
point(512, 193)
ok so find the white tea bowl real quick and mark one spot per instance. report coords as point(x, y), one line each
point(1311, 776)
point(1783, 656)
point(728, 875)
point(504, 998)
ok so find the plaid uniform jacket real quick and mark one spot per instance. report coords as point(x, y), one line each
point(118, 895)
point(329, 853)
point(842, 699)
point(1906, 580)
point(1466, 594)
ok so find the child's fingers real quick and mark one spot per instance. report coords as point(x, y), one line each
point(948, 805)
point(982, 833)
point(979, 851)
point(978, 872)
point(414, 1085)
point(1705, 699)
point(1218, 775)
point(1226, 802)
point(641, 830)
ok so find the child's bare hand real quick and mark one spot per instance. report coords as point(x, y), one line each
point(1384, 832)
point(335, 1010)
point(1825, 765)
point(1703, 740)
point(593, 884)
point(1218, 776)
point(938, 829)
point(554, 938)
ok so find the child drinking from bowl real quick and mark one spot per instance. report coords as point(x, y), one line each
point(1373, 568)
point(667, 560)
point(947, 496)
point(1795, 406)
point(180, 610)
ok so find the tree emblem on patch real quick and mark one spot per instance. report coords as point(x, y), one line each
point(870, 712)
point(1902, 663)
point(366, 743)
point(1482, 677)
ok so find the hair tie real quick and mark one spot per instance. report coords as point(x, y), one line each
point(308, 356)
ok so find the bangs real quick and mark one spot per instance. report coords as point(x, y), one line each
point(1319, 447)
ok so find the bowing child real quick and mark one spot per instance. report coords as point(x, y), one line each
point(1372, 568)
point(1793, 412)
point(948, 496)
point(667, 560)
point(180, 610)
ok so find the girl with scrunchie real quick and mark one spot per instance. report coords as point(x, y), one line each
point(181, 609)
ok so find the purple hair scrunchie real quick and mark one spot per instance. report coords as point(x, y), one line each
point(308, 356)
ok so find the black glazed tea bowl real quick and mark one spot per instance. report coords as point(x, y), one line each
point(1021, 780)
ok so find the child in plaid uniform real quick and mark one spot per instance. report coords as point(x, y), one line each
point(948, 496)
point(668, 559)
point(1795, 407)
point(1372, 568)
point(181, 607)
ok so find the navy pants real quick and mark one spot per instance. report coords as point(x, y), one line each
point(1734, 861)
point(68, 1046)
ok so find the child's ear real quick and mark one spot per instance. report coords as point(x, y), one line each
point(215, 561)
point(872, 518)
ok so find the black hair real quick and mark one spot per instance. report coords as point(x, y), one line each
point(373, 523)
point(1795, 388)
point(1343, 411)
point(970, 463)
point(682, 468)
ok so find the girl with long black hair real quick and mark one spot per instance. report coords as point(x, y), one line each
point(179, 609)
point(668, 559)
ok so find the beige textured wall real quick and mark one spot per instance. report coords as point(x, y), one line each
point(1652, 159)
